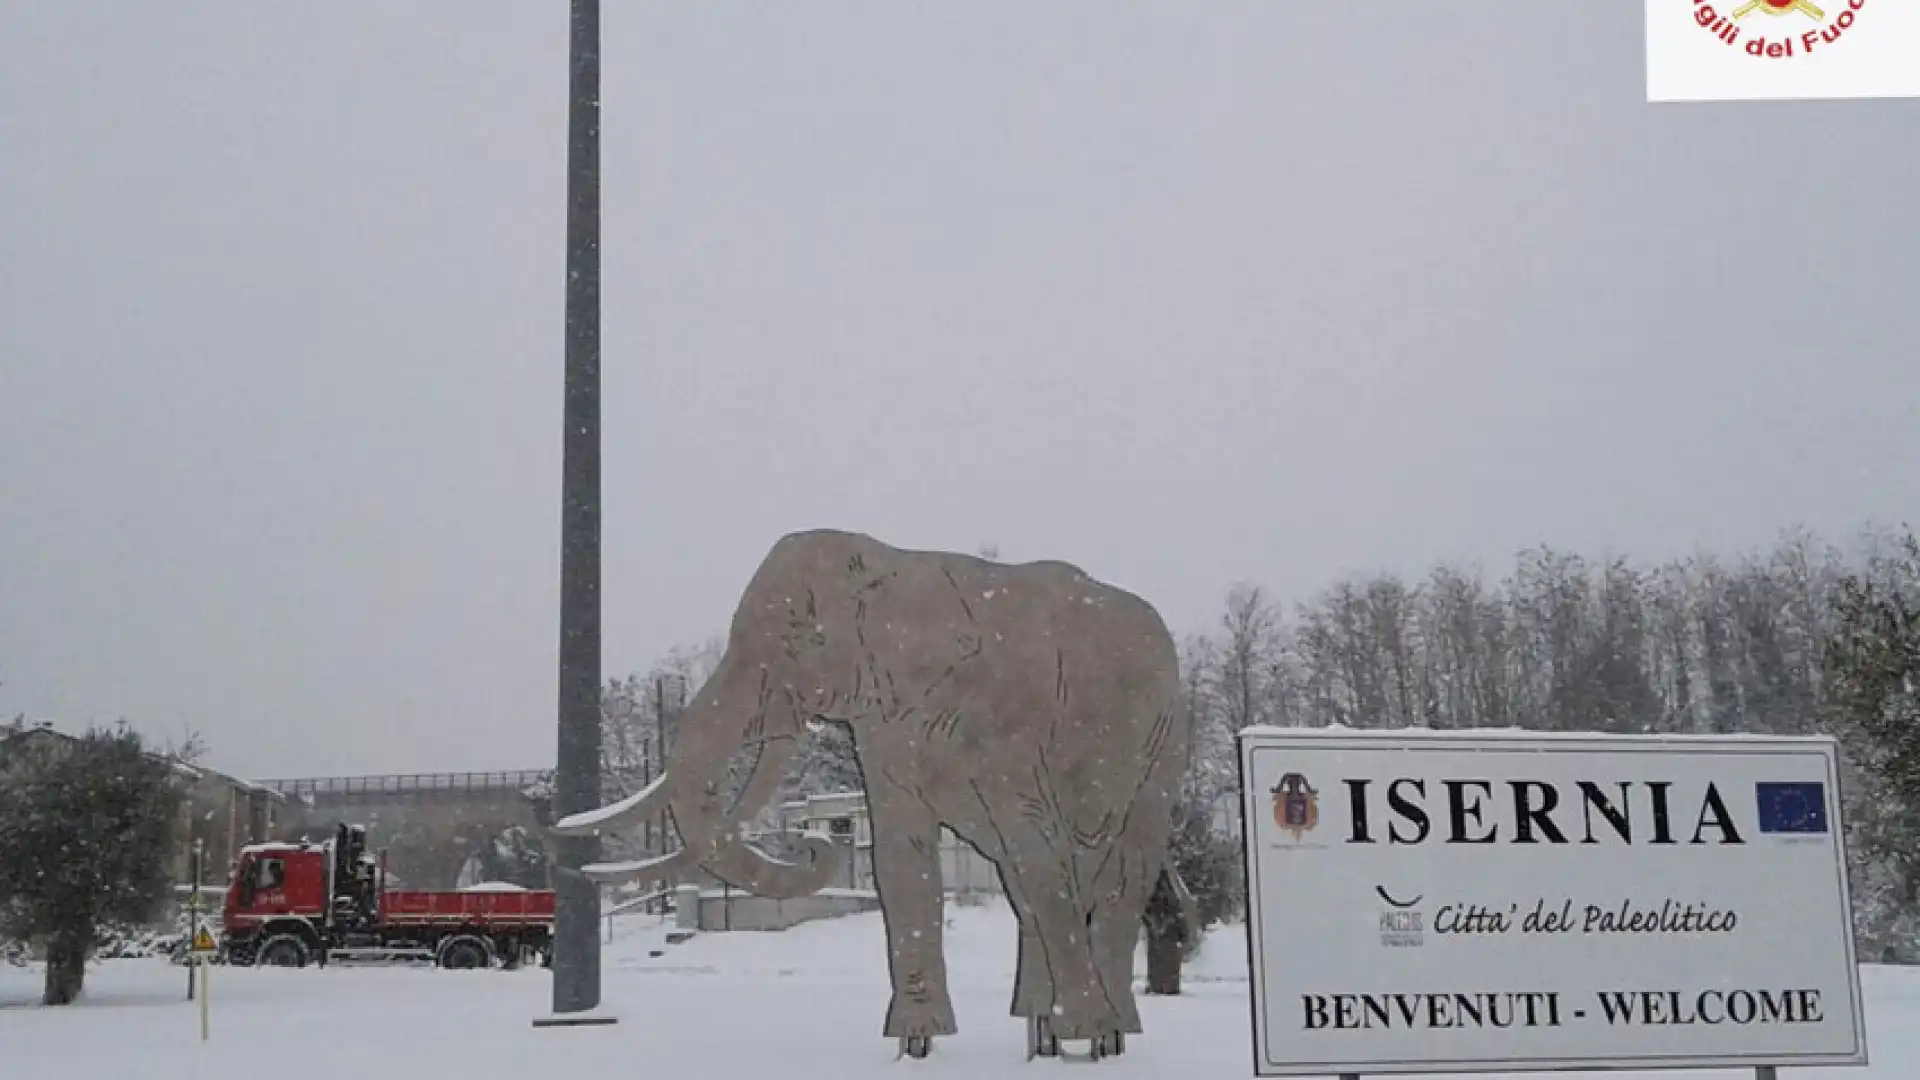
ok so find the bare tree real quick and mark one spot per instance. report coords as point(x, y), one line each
point(1248, 645)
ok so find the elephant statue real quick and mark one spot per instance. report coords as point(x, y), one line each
point(1028, 708)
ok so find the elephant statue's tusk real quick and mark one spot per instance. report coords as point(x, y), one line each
point(611, 818)
point(612, 873)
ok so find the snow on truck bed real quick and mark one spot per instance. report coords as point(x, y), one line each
point(805, 1004)
point(495, 887)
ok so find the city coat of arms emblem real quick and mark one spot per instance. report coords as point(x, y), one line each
point(1296, 805)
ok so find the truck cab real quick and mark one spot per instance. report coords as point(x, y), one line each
point(278, 880)
point(278, 894)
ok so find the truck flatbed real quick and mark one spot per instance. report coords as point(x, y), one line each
point(479, 909)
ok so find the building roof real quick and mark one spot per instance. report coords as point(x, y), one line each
point(48, 729)
point(36, 729)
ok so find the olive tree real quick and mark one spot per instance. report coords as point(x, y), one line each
point(86, 827)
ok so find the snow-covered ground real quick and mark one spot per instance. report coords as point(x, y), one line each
point(798, 1005)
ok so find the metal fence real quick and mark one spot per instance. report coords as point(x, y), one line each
point(407, 783)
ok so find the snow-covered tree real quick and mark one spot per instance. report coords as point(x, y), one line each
point(515, 855)
point(87, 825)
point(1223, 688)
point(1873, 680)
point(1874, 665)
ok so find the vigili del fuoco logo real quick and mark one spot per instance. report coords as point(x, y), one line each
point(1779, 29)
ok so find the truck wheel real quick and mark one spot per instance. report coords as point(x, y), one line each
point(282, 950)
point(465, 954)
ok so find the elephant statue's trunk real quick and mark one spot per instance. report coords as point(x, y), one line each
point(729, 714)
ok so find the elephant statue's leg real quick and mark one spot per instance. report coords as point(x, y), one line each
point(906, 873)
point(1117, 929)
point(1032, 985)
point(1033, 994)
point(1080, 1009)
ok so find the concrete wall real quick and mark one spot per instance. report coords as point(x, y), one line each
point(963, 871)
point(726, 910)
point(705, 904)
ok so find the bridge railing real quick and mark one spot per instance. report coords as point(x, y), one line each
point(407, 783)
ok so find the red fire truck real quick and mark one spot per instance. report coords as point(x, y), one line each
point(291, 904)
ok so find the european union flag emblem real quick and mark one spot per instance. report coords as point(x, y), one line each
point(1799, 807)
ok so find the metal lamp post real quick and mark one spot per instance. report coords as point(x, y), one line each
point(576, 945)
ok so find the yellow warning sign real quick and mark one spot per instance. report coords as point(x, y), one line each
point(203, 941)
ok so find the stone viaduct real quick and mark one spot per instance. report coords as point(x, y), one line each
point(430, 824)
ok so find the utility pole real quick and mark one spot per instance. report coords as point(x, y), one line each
point(660, 738)
point(662, 713)
point(646, 780)
point(576, 945)
point(655, 830)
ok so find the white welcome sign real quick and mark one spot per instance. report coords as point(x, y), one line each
point(1508, 901)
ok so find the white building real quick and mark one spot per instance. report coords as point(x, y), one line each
point(843, 816)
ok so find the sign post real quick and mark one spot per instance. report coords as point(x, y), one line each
point(1504, 901)
point(202, 957)
point(193, 912)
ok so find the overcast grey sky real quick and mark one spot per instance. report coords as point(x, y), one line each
point(1185, 292)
